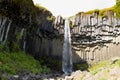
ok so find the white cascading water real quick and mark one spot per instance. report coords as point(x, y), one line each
point(67, 53)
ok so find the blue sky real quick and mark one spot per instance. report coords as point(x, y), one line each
point(71, 7)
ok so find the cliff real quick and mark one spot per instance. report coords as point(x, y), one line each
point(24, 26)
point(95, 35)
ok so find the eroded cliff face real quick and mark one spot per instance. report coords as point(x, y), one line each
point(28, 28)
point(36, 31)
point(94, 37)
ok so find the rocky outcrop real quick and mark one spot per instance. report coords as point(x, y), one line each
point(105, 73)
point(38, 32)
point(95, 38)
point(5, 24)
point(24, 26)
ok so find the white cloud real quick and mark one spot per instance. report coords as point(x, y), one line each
point(71, 7)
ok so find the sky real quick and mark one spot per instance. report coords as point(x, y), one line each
point(68, 8)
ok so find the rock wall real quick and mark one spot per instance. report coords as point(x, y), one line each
point(5, 24)
point(36, 31)
point(95, 38)
point(30, 28)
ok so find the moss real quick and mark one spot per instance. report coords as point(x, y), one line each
point(1, 47)
point(71, 24)
point(19, 11)
point(81, 66)
point(102, 12)
point(92, 11)
point(96, 68)
point(14, 63)
point(99, 65)
point(117, 8)
point(52, 63)
point(95, 71)
point(41, 7)
point(50, 18)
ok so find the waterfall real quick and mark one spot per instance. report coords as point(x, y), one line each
point(67, 53)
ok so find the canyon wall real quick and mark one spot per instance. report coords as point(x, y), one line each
point(95, 37)
point(29, 28)
point(37, 32)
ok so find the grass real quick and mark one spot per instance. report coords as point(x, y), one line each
point(92, 11)
point(102, 12)
point(99, 65)
point(14, 63)
point(101, 70)
point(94, 69)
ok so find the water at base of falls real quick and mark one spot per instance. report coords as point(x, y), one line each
point(67, 64)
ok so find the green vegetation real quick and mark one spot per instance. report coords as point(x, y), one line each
point(71, 24)
point(10, 8)
point(99, 65)
point(117, 8)
point(41, 7)
point(52, 63)
point(14, 63)
point(103, 79)
point(81, 66)
point(102, 12)
point(23, 12)
point(19, 11)
point(92, 11)
point(94, 69)
point(50, 18)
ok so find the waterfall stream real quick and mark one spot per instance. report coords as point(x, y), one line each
point(67, 53)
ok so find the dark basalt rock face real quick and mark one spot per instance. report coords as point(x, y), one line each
point(24, 26)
